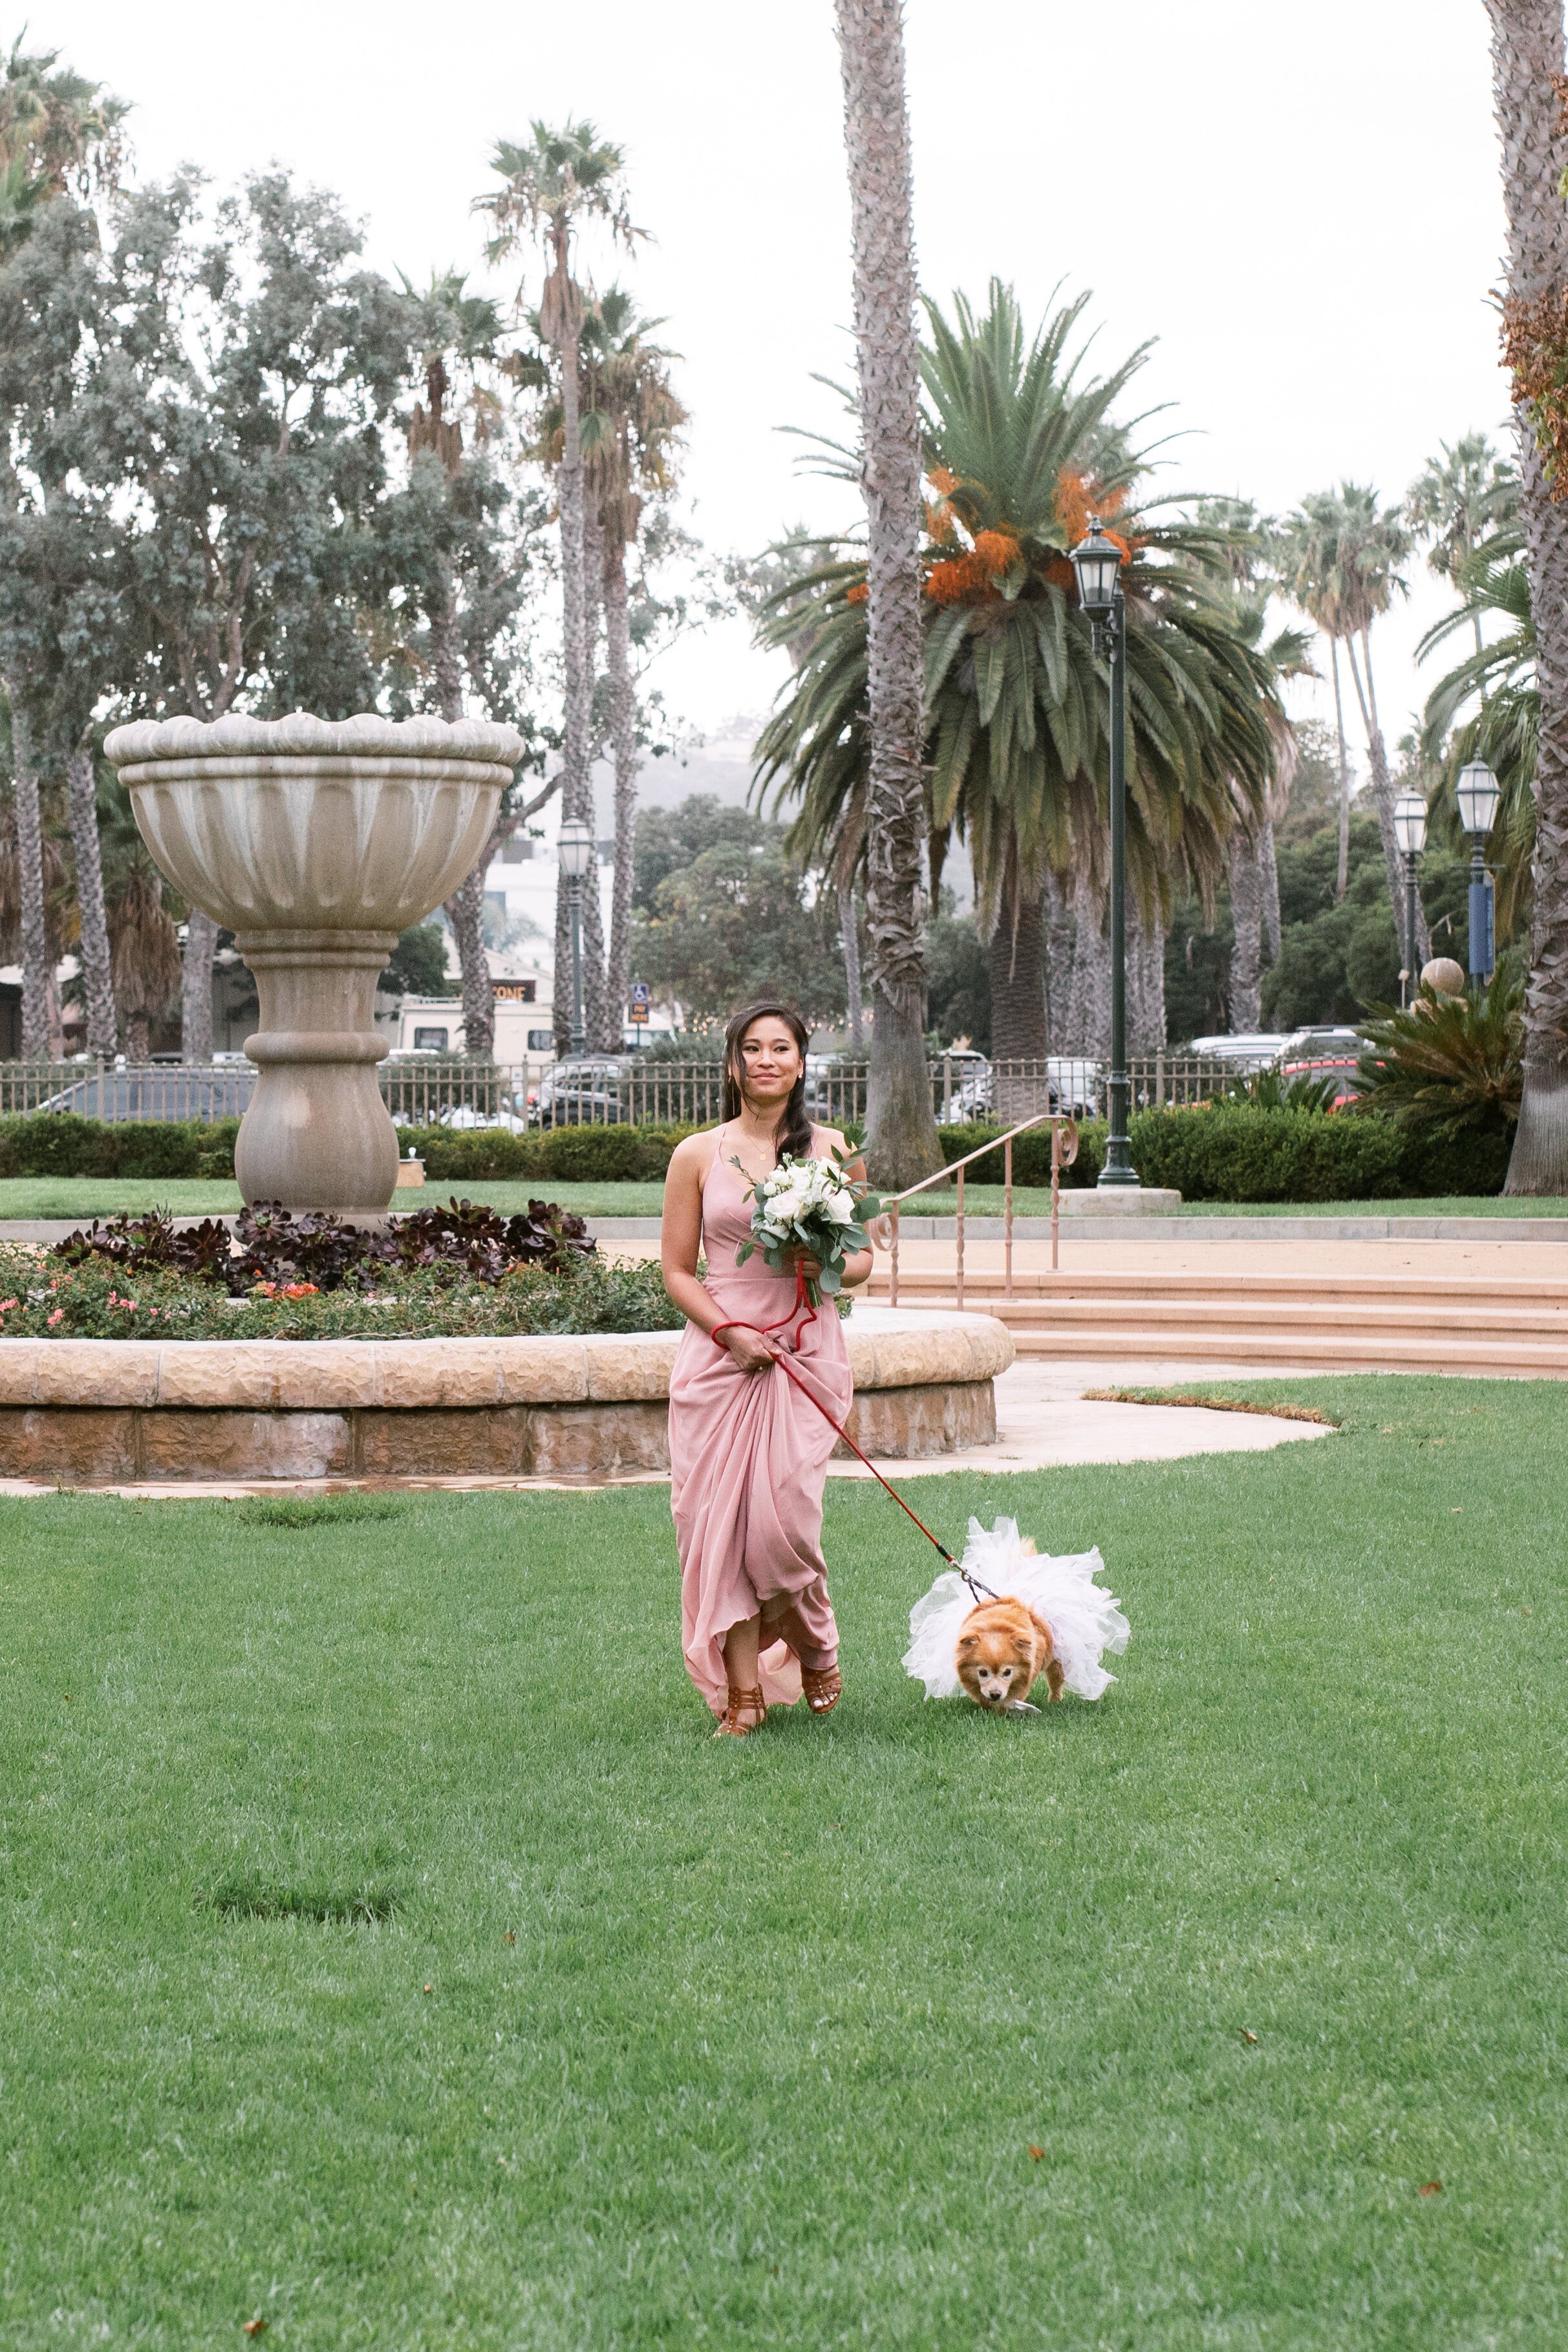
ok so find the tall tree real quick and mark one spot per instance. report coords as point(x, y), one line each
point(632, 460)
point(1488, 708)
point(235, 409)
point(1457, 501)
point(551, 187)
point(1342, 554)
point(901, 1139)
point(59, 141)
point(1018, 450)
point(442, 528)
point(1527, 79)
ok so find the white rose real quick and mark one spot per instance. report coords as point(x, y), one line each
point(786, 1206)
point(841, 1207)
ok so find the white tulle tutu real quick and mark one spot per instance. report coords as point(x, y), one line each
point(1085, 1622)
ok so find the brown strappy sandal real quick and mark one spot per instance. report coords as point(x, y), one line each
point(739, 1703)
point(821, 1686)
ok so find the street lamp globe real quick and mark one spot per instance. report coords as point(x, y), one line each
point(1479, 794)
point(1410, 823)
point(1097, 560)
point(574, 847)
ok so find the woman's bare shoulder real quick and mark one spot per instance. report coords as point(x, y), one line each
point(695, 1150)
point(828, 1142)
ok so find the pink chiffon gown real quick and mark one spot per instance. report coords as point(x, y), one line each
point(748, 1457)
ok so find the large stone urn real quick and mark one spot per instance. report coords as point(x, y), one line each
point(316, 842)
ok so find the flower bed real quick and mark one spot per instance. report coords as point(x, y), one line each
point(458, 1271)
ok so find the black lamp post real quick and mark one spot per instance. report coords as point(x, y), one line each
point(1410, 833)
point(574, 847)
point(1479, 794)
point(1097, 561)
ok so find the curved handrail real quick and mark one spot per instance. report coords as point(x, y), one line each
point(884, 1229)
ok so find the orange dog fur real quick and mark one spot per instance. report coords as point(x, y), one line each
point(1003, 1648)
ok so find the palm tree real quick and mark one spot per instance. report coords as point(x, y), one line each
point(550, 187)
point(1460, 498)
point(454, 330)
point(1488, 708)
point(1527, 70)
point(1017, 451)
point(632, 458)
point(900, 1126)
point(1341, 557)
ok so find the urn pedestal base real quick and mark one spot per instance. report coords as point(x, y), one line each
point(318, 1135)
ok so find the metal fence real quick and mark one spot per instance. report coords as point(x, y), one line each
point(589, 1090)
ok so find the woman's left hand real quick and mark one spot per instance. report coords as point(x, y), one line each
point(809, 1267)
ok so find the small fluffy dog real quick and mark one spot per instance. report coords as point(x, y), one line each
point(1003, 1648)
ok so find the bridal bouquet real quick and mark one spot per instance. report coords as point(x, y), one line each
point(810, 1208)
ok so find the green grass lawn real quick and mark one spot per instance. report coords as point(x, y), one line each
point(90, 1196)
point(94, 1196)
point(387, 1951)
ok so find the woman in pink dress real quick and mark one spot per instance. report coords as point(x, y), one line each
point(749, 1453)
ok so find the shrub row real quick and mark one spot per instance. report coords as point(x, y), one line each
point(61, 1143)
point(1219, 1151)
point(1236, 1152)
point(577, 1155)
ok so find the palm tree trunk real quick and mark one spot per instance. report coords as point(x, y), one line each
point(196, 987)
point(1269, 877)
point(1527, 52)
point(623, 742)
point(1145, 978)
point(138, 1038)
point(1342, 873)
point(465, 909)
point(1058, 965)
point(848, 941)
point(901, 1143)
point(1246, 916)
point(576, 786)
point(605, 1026)
point(1091, 1020)
point(1383, 798)
point(30, 894)
point(98, 988)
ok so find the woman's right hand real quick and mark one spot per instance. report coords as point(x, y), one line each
point(750, 1349)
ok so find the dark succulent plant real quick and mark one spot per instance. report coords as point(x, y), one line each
point(153, 1240)
point(269, 1245)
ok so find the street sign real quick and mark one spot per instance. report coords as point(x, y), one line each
point(639, 1014)
point(640, 992)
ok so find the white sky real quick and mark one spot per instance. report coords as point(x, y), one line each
point(1303, 209)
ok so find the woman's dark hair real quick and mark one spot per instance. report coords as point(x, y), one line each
point(793, 1132)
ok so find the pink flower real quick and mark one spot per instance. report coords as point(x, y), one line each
point(6, 1304)
point(58, 1316)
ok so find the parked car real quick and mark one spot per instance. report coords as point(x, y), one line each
point(1253, 1049)
point(584, 1089)
point(179, 1091)
point(1323, 1053)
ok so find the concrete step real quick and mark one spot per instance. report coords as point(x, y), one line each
point(1348, 1351)
point(985, 1283)
point(1464, 1320)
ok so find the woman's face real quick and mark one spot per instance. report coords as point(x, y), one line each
point(769, 1061)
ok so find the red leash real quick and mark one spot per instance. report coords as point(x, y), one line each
point(784, 1365)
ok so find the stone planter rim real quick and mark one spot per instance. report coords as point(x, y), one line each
point(303, 736)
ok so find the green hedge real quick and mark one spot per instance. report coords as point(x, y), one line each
point(1236, 1152)
point(1031, 1154)
point(579, 1155)
point(61, 1143)
point(1217, 1151)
